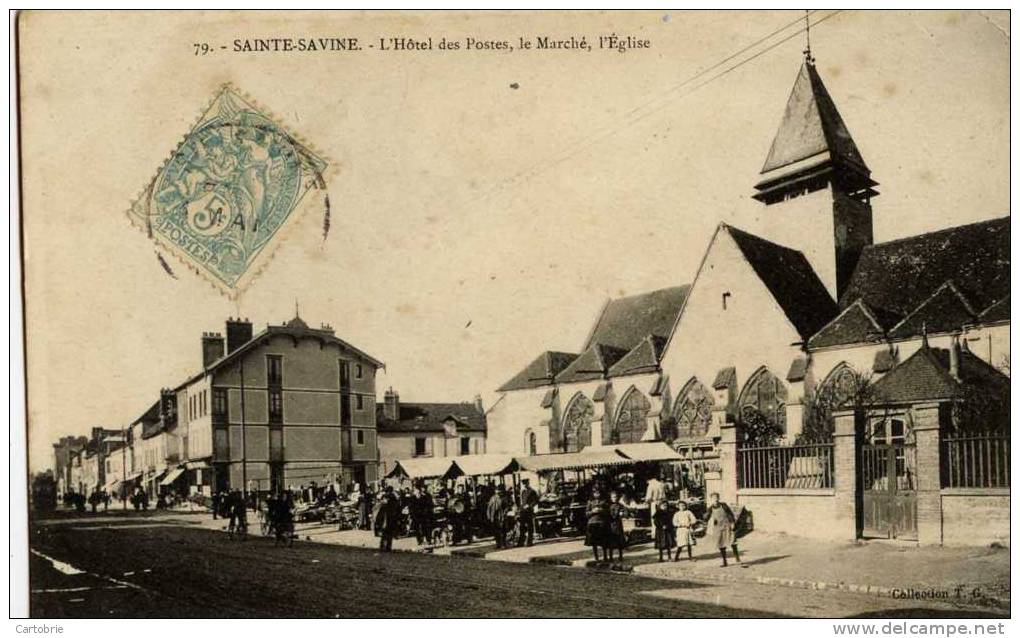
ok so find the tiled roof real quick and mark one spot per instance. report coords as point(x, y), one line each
point(296, 328)
point(946, 310)
point(429, 417)
point(856, 324)
point(898, 276)
point(725, 378)
point(789, 277)
point(594, 363)
point(925, 376)
point(541, 371)
point(884, 361)
point(624, 322)
point(811, 125)
point(644, 357)
point(798, 369)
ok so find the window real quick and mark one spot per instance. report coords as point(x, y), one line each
point(359, 402)
point(275, 406)
point(274, 369)
point(465, 445)
point(360, 437)
point(762, 407)
point(694, 410)
point(632, 421)
point(577, 424)
point(219, 403)
point(345, 409)
point(345, 375)
point(419, 446)
point(357, 371)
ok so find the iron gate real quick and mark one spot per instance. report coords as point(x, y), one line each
point(890, 498)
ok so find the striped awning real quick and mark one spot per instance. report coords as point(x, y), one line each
point(172, 476)
point(645, 452)
point(570, 461)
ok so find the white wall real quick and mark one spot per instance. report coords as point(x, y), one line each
point(750, 332)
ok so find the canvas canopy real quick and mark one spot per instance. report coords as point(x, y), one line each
point(485, 464)
point(172, 476)
point(425, 468)
point(646, 452)
point(571, 461)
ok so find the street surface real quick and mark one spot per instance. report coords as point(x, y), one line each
point(168, 565)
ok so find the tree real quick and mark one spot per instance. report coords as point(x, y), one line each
point(845, 389)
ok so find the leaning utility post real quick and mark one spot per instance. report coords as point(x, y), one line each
point(244, 446)
point(123, 467)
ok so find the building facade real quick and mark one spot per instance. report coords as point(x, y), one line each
point(278, 409)
point(417, 430)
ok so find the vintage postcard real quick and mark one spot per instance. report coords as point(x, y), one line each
point(516, 314)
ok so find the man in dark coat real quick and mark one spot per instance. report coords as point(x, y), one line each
point(529, 501)
point(421, 514)
point(495, 514)
point(387, 519)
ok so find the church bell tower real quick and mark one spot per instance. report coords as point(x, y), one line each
point(816, 188)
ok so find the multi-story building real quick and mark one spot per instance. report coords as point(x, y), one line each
point(62, 451)
point(413, 430)
point(281, 408)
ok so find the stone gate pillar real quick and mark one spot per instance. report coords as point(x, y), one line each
point(845, 483)
point(928, 480)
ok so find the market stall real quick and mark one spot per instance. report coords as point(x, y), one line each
point(424, 468)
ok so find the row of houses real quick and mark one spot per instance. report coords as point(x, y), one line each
point(281, 408)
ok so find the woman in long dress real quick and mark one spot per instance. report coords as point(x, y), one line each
point(683, 526)
point(721, 524)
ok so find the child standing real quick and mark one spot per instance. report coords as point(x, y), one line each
point(683, 522)
point(665, 536)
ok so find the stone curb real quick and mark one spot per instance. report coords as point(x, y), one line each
point(872, 590)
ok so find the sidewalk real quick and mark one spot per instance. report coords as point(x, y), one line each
point(971, 576)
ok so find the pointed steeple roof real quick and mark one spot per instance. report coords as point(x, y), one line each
point(811, 125)
point(812, 139)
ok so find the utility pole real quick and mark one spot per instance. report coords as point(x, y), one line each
point(244, 446)
point(123, 467)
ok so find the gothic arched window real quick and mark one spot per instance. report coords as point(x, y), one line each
point(762, 407)
point(693, 412)
point(577, 423)
point(632, 419)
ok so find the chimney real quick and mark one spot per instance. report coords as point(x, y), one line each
point(479, 405)
point(391, 405)
point(167, 406)
point(954, 358)
point(238, 333)
point(212, 348)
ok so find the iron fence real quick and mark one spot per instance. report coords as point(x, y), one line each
point(975, 460)
point(786, 466)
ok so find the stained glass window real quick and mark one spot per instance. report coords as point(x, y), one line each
point(577, 424)
point(764, 396)
point(694, 410)
point(632, 421)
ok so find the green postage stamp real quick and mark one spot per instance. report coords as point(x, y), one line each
point(222, 201)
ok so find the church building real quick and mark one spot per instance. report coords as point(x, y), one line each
point(806, 309)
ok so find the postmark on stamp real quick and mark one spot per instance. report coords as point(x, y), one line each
point(222, 201)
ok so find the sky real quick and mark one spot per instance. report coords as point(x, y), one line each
point(474, 225)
